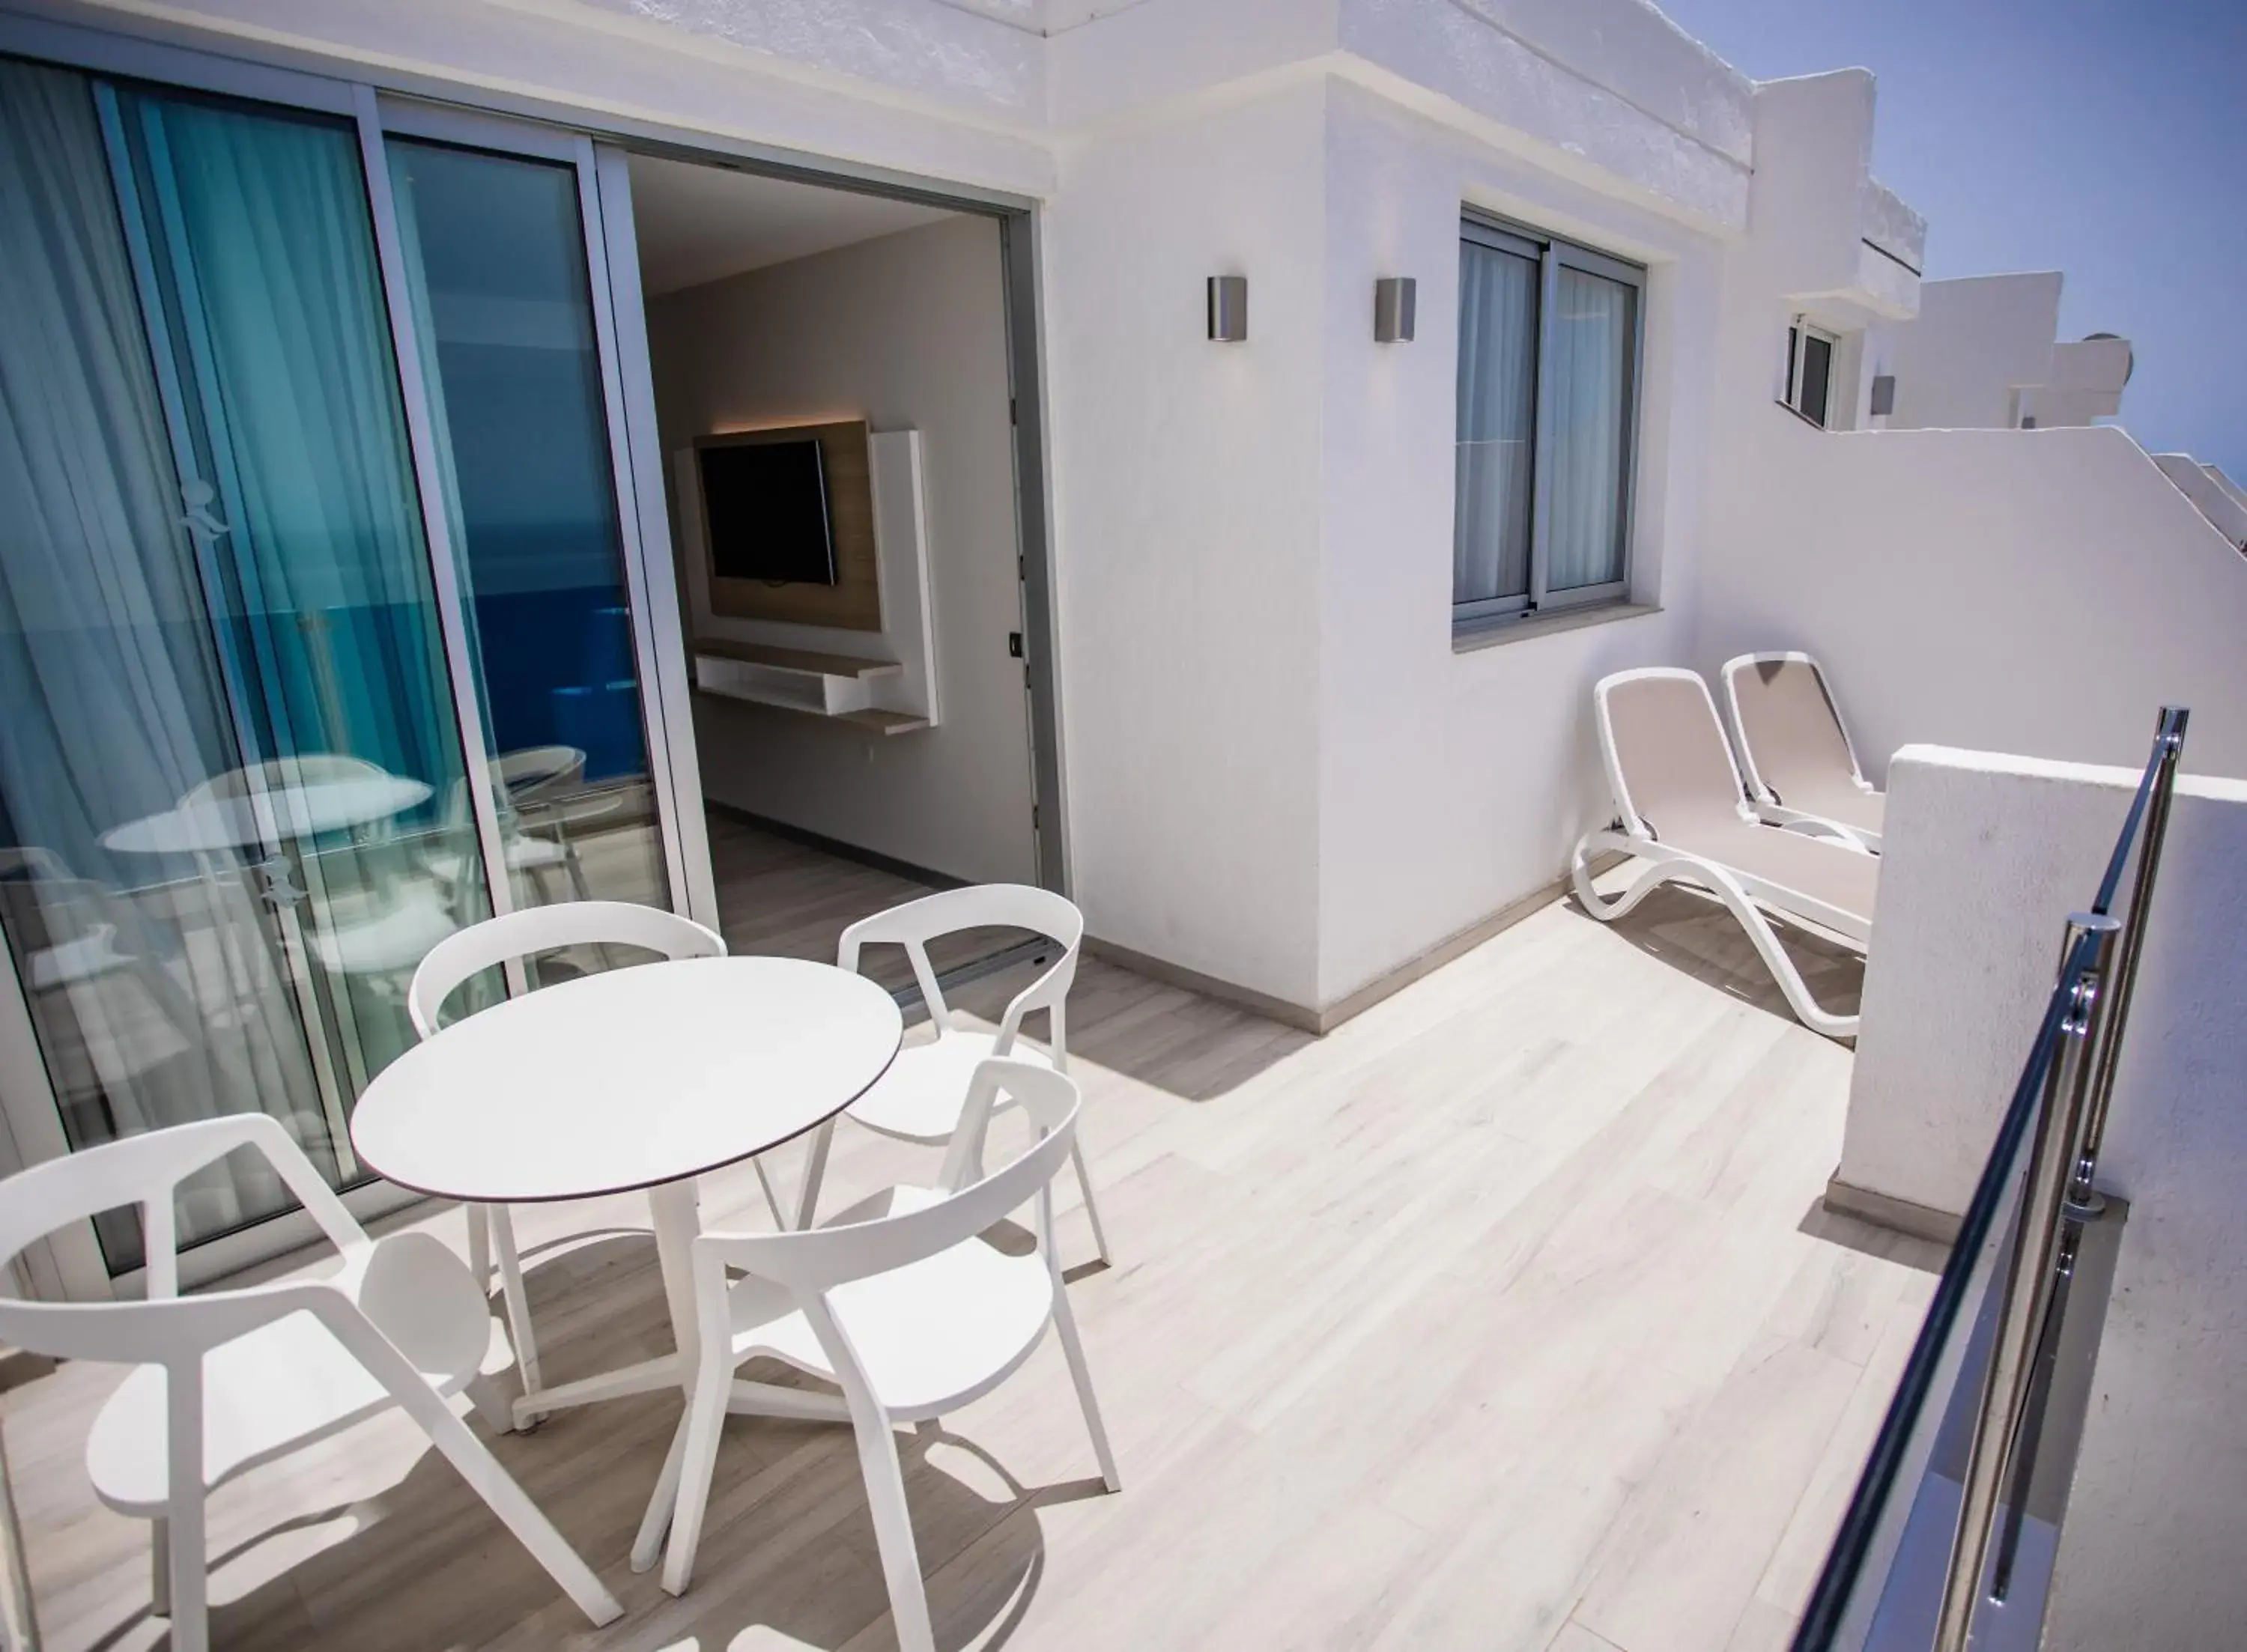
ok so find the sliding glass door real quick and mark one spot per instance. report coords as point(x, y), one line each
point(317, 631)
point(504, 318)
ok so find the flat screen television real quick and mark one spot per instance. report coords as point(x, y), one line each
point(764, 504)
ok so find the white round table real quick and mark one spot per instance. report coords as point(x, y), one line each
point(643, 1077)
point(208, 825)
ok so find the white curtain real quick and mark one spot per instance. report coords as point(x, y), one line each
point(156, 992)
point(1497, 423)
point(1592, 333)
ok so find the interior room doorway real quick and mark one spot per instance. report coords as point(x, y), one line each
point(833, 380)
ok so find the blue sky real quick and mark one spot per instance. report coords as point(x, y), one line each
point(2104, 138)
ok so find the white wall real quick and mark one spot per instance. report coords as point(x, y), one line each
point(1186, 497)
point(1985, 856)
point(2039, 591)
point(907, 331)
point(1452, 784)
point(1974, 340)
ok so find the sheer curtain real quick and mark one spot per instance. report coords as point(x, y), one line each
point(1497, 423)
point(1592, 334)
point(157, 996)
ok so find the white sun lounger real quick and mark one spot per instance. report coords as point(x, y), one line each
point(1683, 813)
point(1802, 770)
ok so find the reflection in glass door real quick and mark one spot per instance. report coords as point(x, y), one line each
point(230, 735)
point(494, 255)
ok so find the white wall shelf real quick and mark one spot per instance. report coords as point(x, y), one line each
point(802, 679)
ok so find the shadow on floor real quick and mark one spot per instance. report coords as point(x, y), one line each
point(788, 1557)
point(1694, 933)
point(1194, 1047)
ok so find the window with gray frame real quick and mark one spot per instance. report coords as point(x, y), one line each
point(1810, 370)
point(1549, 345)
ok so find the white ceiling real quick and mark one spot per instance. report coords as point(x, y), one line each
point(700, 224)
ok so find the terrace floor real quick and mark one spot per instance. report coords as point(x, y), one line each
point(1504, 1317)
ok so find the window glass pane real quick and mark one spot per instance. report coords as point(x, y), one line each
point(1593, 329)
point(495, 248)
point(1497, 424)
point(1817, 376)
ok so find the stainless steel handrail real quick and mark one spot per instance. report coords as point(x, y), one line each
point(2098, 966)
point(2041, 1171)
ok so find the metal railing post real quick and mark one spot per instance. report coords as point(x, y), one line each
point(2031, 1274)
point(2169, 745)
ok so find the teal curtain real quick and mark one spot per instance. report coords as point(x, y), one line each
point(266, 257)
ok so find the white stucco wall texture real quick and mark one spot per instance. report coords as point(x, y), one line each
point(1986, 857)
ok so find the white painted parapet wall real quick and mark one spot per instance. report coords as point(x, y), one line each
point(2204, 485)
point(1984, 857)
point(2030, 590)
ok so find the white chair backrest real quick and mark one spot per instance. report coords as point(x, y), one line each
point(818, 1260)
point(979, 906)
point(531, 771)
point(1667, 757)
point(542, 929)
point(522, 776)
point(1788, 724)
point(144, 1171)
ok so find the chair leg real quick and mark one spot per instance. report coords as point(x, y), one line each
point(771, 1193)
point(885, 1495)
point(502, 1495)
point(815, 1171)
point(517, 1298)
point(160, 1568)
point(479, 1245)
point(188, 1599)
point(492, 1403)
point(705, 1417)
point(1079, 1373)
point(1091, 1208)
point(647, 1545)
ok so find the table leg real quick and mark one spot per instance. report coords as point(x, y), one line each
point(678, 1219)
point(677, 1208)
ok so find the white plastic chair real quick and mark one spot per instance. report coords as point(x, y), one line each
point(228, 1380)
point(523, 934)
point(921, 1098)
point(901, 1303)
point(1802, 768)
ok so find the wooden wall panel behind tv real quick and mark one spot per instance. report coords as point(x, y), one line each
point(854, 601)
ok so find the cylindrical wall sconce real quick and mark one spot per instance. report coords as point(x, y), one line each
point(1228, 309)
point(1395, 299)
